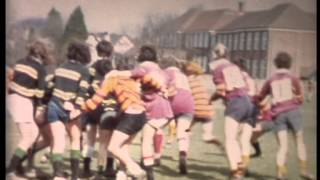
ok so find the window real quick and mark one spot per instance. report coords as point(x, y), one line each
point(213, 40)
point(194, 38)
point(235, 41)
point(241, 41)
point(206, 39)
point(225, 39)
point(230, 41)
point(249, 41)
point(263, 68)
point(200, 39)
point(256, 41)
point(264, 40)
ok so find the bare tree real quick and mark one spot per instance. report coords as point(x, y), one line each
point(153, 25)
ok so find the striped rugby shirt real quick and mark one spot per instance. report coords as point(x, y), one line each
point(97, 72)
point(71, 82)
point(29, 79)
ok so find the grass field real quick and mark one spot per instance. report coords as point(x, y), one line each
point(207, 161)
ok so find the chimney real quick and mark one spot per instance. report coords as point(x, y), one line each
point(240, 7)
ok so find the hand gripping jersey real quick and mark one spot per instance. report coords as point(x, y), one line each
point(153, 79)
point(285, 91)
point(201, 97)
point(228, 79)
point(154, 82)
point(126, 90)
point(265, 113)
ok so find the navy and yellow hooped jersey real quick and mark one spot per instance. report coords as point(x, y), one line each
point(71, 82)
point(29, 79)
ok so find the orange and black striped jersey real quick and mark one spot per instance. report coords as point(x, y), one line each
point(126, 90)
point(201, 97)
point(29, 79)
point(71, 82)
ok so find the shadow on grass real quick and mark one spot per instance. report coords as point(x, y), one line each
point(195, 172)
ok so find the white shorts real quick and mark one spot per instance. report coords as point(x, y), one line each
point(20, 108)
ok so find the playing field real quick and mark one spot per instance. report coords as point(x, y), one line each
point(207, 161)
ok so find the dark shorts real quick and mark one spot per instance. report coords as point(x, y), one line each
point(241, 109)
point(289, 120)
point(57, 113)
point(267, 126)
point(131, 123)
point(109, 120)
point(93, 117)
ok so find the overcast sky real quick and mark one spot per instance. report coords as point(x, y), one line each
point(115, 15)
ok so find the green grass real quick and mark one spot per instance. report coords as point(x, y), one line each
point(206, 161)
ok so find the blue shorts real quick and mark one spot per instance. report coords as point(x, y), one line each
point(57, 113)
point(289, 120)
point(241, 109)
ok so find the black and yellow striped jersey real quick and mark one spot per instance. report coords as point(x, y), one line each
point(71, 82)
point(29, 79)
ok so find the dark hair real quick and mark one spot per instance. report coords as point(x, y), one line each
point(79, 52)
point(282, 60)
point(39, 50)
point(168, 62)
point(147, 53)
point(104, 67)
point(104, 48)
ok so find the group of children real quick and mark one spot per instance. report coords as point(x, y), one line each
point(121, 101)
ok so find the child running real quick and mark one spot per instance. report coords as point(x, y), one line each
point(25, 100)
point(130, 121)
point(69, 93)
point(287, 98)
point(107, 110)
point(203, 108)
point(154, 90)
point(182, 105)
point(231, 86)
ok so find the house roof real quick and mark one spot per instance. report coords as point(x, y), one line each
point(283, 16)
point(211, 20)
point(181, 22)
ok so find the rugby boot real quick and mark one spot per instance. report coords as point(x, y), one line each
point(14, 164)
point(236, 175)
point(282, 173)
point(149, 171)
point(110, 171)
point(307, 176)
point(183, 163)
point(137, 173)
point(257, 149)
point(58, 170)
point(157, 162)
point(86, 167)
point(74, 168)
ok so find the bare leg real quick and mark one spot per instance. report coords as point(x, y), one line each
point(118, 147)
point(233, 151)
point(282, 138)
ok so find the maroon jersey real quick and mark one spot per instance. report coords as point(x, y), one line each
point(227, 73)
point(284, 89)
